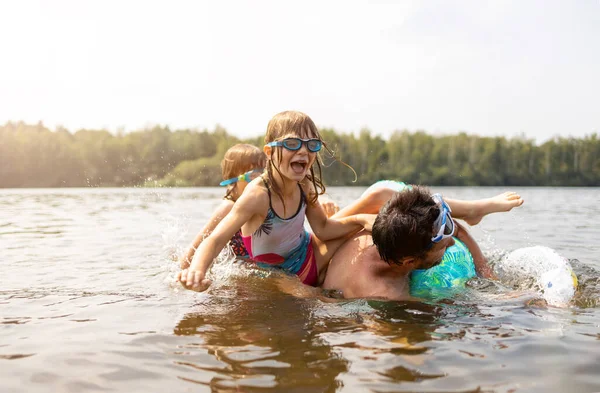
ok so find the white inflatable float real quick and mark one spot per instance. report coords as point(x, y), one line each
point(542, 269)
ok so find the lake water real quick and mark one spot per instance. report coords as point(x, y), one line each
point(88, 303)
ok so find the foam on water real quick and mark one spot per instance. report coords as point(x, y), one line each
point(541, 269)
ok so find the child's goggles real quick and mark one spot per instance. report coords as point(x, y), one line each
point(294, 144)
point(444, 225)
point(248, 177)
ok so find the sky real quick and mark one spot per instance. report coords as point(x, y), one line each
point(491, 68)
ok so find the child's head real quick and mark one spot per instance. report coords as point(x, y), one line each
point(301, 163)
point(238, 160)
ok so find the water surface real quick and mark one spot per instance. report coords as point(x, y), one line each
point(88, 303)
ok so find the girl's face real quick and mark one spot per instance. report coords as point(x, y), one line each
point(293, 165)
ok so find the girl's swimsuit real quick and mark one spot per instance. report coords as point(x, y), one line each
point(237, 245)
point(284, 243)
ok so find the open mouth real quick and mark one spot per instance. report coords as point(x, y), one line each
point(298, 167)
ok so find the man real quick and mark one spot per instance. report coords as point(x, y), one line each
point(412, 231)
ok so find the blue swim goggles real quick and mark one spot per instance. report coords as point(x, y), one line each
point(248, 177)
point(443, 225)
point(295, 144)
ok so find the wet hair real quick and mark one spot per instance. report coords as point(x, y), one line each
point(404, 225)
point(238, 160)
point(300, 125)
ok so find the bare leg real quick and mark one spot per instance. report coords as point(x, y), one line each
point(470, 211)
point(473, 211)
point(369, 203)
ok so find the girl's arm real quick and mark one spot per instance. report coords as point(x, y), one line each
point(222, 210)
point(252, 202)
point(340, 226)
point(330, 228)
point(482, 267)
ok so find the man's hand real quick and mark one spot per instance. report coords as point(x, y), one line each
point(193, 280)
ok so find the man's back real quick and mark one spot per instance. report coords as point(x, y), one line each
point(357, 270)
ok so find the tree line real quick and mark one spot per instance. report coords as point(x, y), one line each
point(35, 156)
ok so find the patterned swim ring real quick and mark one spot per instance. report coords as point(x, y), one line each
point(454, 271)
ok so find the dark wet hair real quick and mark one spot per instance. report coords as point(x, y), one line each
point(404, 225)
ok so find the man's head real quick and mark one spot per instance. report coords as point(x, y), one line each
point(404, 227)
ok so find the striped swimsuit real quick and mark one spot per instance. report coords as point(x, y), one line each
point(283, 243)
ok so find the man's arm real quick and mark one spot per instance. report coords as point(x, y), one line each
point(482, 267)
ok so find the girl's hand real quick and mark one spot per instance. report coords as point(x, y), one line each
point(184, 262)
point(193, 280)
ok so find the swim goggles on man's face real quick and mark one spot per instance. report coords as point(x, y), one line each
point(444, 225)
point(248, 177)
point(294, 144)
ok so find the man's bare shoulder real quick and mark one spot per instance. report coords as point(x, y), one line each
point(358, 252)
point(358, 272)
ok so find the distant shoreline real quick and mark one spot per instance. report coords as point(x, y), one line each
point(34, 156)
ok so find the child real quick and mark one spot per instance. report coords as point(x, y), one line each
point(271, 211)
point(241, 164)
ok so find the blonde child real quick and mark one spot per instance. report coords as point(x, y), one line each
point(241, 164)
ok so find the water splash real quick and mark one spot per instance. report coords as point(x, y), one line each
point(540, 269)
point(588, 291)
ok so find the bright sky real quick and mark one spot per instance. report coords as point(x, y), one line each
point(500, 67)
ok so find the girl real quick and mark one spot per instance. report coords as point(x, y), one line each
point(241, 164)
point(271, 211)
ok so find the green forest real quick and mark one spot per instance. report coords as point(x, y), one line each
point(35, 156)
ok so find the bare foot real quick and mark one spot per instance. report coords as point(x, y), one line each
point(500, 203)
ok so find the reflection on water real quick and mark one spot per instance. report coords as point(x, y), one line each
point(262, 337)
point(88, 303)
point(261, 340)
